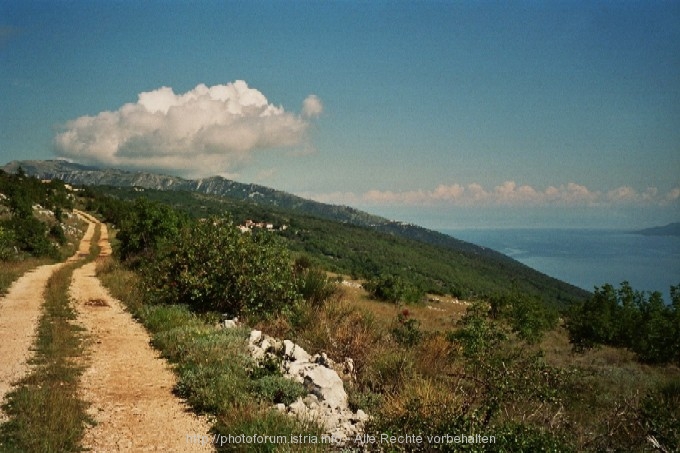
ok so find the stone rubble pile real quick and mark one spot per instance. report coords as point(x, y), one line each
point(326, 401)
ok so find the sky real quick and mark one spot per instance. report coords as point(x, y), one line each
point(447, 114)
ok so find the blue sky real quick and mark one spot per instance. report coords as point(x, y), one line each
point(446, 114)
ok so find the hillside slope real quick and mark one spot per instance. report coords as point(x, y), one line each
point(341, 238)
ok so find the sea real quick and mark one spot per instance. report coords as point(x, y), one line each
point(588, 258)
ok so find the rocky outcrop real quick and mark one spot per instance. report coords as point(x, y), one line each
point(326, 401)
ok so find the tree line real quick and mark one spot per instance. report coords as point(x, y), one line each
point(624, 317)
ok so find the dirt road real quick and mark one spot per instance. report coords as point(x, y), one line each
point(20, 310)
point(128, 385)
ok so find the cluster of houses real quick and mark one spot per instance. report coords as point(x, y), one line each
point(250, 225)
point(68, 187)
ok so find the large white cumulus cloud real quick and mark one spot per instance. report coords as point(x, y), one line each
point(205, 131)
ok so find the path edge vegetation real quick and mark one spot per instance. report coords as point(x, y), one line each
point(216, 375)
point(46, 413)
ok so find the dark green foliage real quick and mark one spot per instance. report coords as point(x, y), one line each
point(519, 437)
point(528, 316)
point(268, 382)
point(22, 230)
point(30, 235)
point(212, 266)
point(57, 233)
point(278, 389)
point(630, 319)
point(7, 243)
point(24, 191)
point(394, 289)
point(478, 335)
point(146, 226)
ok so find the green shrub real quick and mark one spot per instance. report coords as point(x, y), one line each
point(478, 335)
point(395, 289)
point(30, 235)
point(314, 285)
point(522, 437)
point(278, 389)
point(211, 266)
point(7, 241)
point(529, 317)
point(57, 233)
point(145, 226)
point(406, 331)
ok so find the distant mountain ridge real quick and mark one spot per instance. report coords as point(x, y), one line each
point(672, 229)
point(76, 174)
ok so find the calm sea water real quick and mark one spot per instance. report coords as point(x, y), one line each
point(588, 258)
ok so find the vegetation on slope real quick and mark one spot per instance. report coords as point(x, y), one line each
point(22, 232)
point(489, 376)
point(462, 268)
point(450, 267)
point(35, 227)
point(629, 319)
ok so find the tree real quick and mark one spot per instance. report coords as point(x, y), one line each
point(212, 266)
point(395, 289)
point(528, 316)
point(146, 226)
point(631, 319)
point(592, 322)
point(656, 333)
point(30, 235)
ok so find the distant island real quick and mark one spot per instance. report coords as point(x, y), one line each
point(672, 229)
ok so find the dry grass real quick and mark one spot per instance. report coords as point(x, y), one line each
point(424, 399)
point(12, 270)
point(434, 356)
point(439, 313)
point(342, 330)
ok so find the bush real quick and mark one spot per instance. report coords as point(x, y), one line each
point(394, 289)
point(57, 233)
point(478, 335)
point(278, 389)
point(30, 235)
point(7, 240)
point(211, 266)
point(406, 331)
point(529, 317)
point(313, 284)
point(145, 226)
